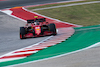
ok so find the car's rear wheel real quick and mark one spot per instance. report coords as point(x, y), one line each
point(22, 32)
point(52, 28)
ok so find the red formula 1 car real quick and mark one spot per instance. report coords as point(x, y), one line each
point(36, 28)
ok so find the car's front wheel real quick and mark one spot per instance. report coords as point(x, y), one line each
point(22, 32)
point(52, 28)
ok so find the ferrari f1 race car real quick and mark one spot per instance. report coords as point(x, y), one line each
point(36, 28)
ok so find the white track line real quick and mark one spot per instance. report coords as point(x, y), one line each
point(67, 5)
point(53, 3)
point(88, 28)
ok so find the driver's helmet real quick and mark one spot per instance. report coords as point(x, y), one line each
point(36, 23)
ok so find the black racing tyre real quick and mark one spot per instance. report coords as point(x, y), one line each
point(52, 28)
point(22, 32)
point(42, 32)
point(33, 32)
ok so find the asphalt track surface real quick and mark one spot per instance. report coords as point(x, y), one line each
point(9, 40)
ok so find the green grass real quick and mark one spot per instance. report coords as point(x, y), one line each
point(50, 5)
point(85, 15)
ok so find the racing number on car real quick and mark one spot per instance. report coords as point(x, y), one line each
point(37, 30)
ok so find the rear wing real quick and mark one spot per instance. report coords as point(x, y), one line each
point(36, 20)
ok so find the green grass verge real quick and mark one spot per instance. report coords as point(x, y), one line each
point(50, 5)
point(85, 15)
